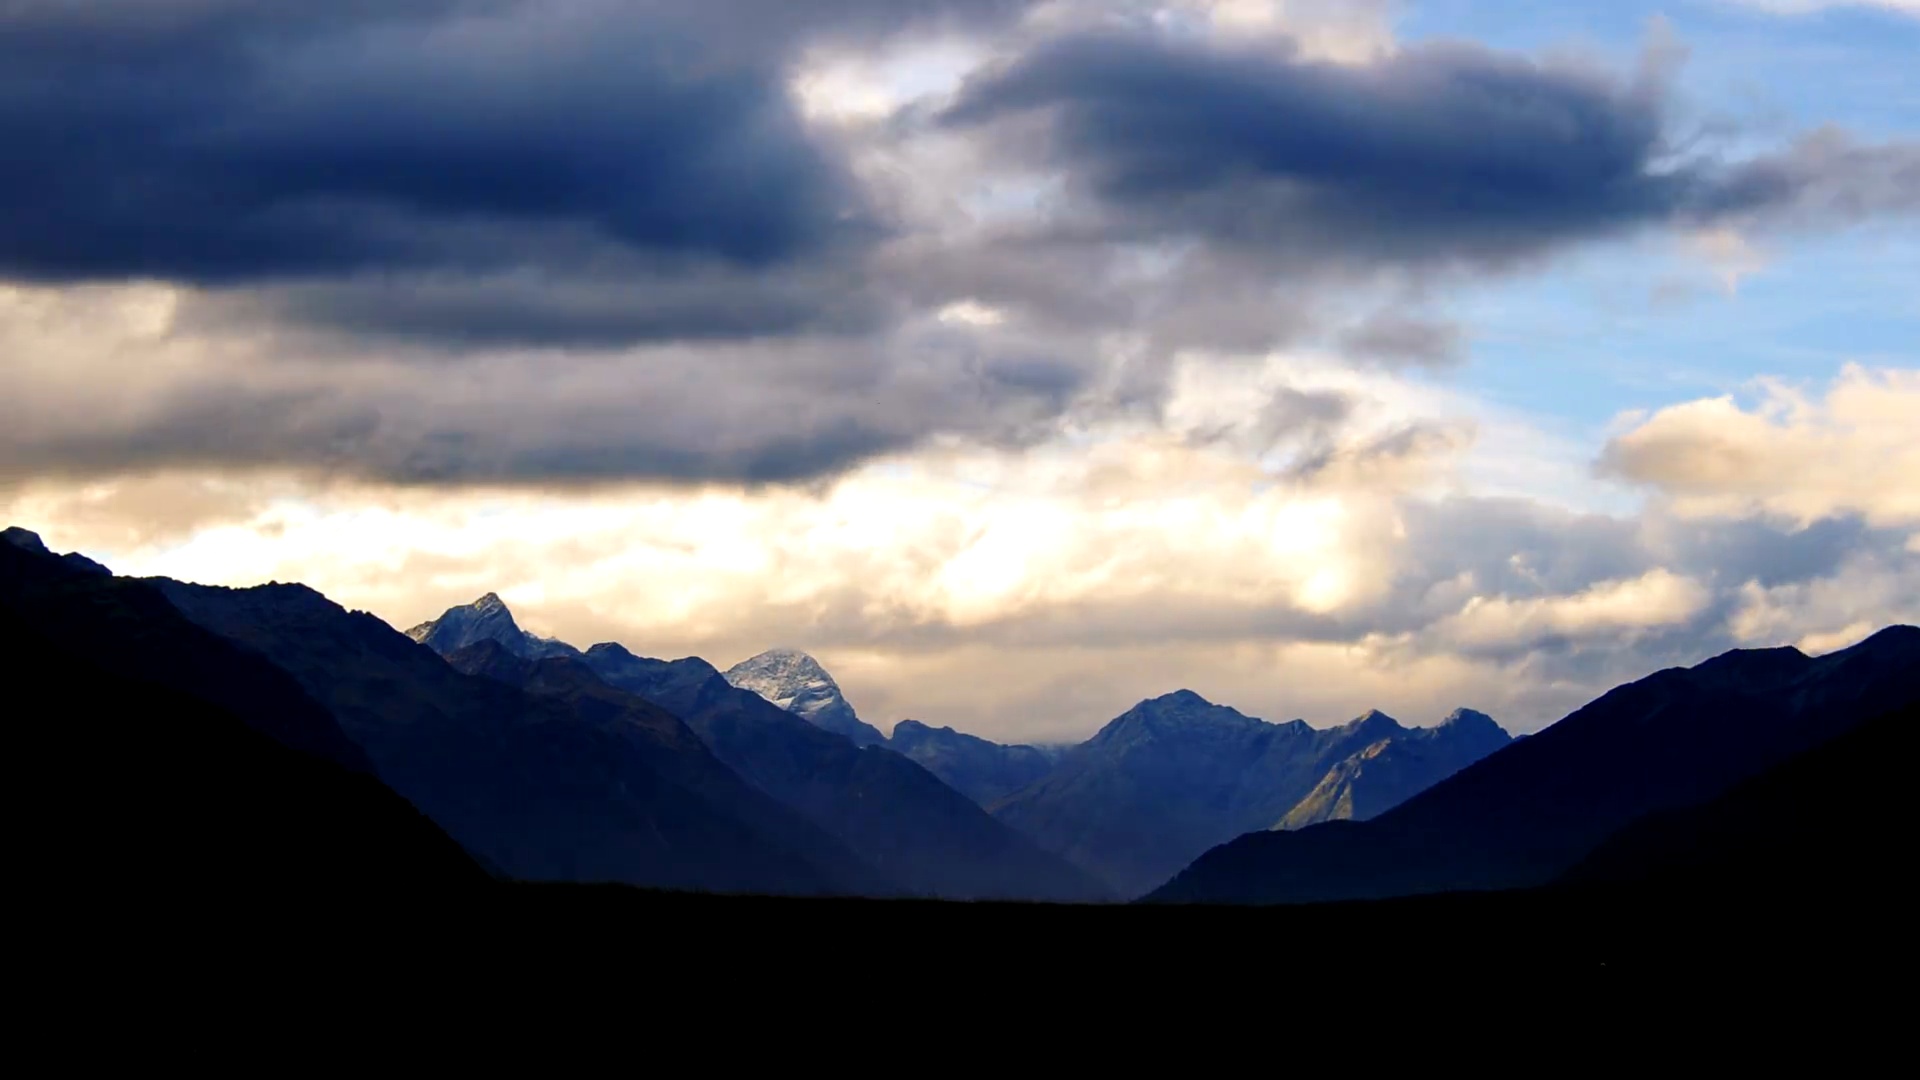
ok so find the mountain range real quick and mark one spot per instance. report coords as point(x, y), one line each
point(1177, 775)
point(267, 740)
point(1130, 807)
point(1522, 817)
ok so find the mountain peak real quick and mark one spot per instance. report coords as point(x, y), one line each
point(797, 683)
point(1183, 698)
point(487, 618)
point(1469, 718)
point(786, 661)
point(25, 539)
point(1899, 635)
point(1374, 720)
point(29, 541)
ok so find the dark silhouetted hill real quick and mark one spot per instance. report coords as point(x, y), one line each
point(1529, 813)
point(156, 759)
point(1832, 821)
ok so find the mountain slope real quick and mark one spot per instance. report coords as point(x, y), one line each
point(1175, 776)
point(1832, 820)
point(983, 771)
point(486, 619)
point(1529, 813)
point(890, 811)
point(156, 756)
point(1391, 771)
point(797, 683)
point(685, 760)
point(515, 777)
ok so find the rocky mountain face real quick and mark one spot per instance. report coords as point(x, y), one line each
point(1397, 767)
point(1522, 817)
point(1177, 775)
point(486, 619)
point(893, 813)
point(797, 683)
point(157, 755)
point(983, 771)
point(536, 788)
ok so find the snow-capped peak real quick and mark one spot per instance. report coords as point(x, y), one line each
point(487, 618)
point(797, 683)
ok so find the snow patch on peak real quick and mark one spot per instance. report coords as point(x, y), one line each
point(797, 683)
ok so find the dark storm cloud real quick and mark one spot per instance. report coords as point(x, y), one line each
point(1440, 154)
point(527, 309)
point(778, 411)
point(1397, 340)
point(227, 147)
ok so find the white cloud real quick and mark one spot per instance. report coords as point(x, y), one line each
point(1730, 255)
point(1807, 7)
point(1832, 611)
point(971, 313)
point(1854, 451)
point(839, 86)
point(1618, 609)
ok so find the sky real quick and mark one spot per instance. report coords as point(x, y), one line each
point(1019, 359)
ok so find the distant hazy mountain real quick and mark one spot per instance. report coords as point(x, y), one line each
point(1177, 775)
point(1529, 813)
point(797, 683)
point(1395, 768)
point(486, 619)
point(984, 771)
point(541, 790)
point(157, 757)
point(892, 812)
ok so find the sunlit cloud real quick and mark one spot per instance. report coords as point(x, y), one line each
point(1136, 379)
point(1852, 449)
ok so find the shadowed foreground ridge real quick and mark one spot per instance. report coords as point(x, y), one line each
point(162, 756)
point(1529, 813)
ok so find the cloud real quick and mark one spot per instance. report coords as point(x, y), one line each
point(585, 171)
point(1396, 338)
point(1853, 451)
point(1021, 360)
point(1038, 591)
point(1808, 7)
point(1606, 609)
point(237, 151)
point(111, 380)
point(1436, 154)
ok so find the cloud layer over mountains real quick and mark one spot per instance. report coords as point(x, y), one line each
point(1043, 339)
